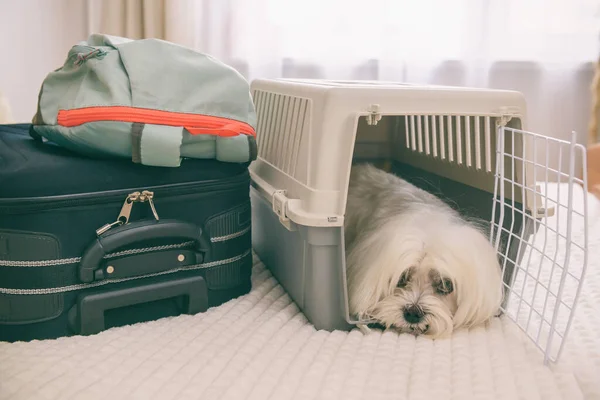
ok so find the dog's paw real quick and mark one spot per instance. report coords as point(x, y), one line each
point(363, 328)
point(369, 328)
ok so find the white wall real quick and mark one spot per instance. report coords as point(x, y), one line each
point(35, 36)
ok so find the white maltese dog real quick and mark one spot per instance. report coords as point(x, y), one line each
point(413, 264)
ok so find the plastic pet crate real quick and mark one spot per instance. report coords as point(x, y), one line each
point(468, 146)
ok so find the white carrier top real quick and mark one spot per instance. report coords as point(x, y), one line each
point(307, 129)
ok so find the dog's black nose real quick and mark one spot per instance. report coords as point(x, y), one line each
point(413, 314)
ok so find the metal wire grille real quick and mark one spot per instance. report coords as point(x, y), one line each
point(541, 241)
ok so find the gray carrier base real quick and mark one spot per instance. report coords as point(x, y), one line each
point(310, 263)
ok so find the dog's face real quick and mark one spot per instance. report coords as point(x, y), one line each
point(423, 302)
point(428, 289)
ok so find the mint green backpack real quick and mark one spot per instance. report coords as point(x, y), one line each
point(149, 100)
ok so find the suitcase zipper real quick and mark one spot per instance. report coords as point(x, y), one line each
point(32, 204)
point(195, 124)
point(125, 213)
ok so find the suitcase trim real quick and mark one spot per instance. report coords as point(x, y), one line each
point(229, 237)
point(75, 260)
point(110, 281)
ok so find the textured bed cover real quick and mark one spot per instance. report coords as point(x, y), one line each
point(260, 346)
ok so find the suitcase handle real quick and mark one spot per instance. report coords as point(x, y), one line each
point(86, 317)
point(136, 232)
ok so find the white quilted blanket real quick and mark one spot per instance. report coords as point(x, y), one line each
point(260, 346)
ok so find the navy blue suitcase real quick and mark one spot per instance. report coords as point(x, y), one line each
point(87, 244)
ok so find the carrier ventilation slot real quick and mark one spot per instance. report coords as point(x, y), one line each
point(282, 121)
point(460, 139)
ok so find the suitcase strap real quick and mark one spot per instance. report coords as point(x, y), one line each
point(61, 275)
point(82, 286)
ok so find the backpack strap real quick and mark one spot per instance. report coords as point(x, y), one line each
point(157, 145)
point(36, 136)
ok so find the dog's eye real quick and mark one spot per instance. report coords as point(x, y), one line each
point(444, 287)
point(403, 279)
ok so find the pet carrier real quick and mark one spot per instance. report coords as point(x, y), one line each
point(466, 145)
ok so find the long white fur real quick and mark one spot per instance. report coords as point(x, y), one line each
point(391, 226)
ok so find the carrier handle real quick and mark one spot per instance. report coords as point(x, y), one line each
point(135, 232)
point(86, 317)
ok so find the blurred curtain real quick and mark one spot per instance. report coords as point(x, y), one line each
point(594, 130)
point(199, 24)
point(138, 19)
point(5, 110)
point(543, 48)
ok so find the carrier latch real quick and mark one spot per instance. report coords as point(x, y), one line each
point(279, 203)
point(506, 115)
point(374, 116)
point(503, 120)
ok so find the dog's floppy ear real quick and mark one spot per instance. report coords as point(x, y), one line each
point(375, 264)
point(477, 277)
